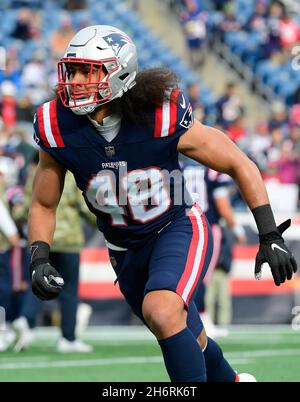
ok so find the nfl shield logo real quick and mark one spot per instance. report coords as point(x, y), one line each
point(110, 151)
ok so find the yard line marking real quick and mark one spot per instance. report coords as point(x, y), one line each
point(139, 332)
point(27, 359)
point(240, 361)
point(263, 353)
point(82, 363)
point(94, 362)
point(258, 341)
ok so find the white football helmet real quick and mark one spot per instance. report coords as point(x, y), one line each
point(104, 49)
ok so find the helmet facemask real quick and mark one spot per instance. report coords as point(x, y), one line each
point(84, 96)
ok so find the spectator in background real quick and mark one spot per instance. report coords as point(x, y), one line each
point(73, 5)
point(194, 25)
point(220, 5)
point(25, 3)
point(274, 151)
point(8, 103)
point(289, 33)
point(237, 129)
point(229, 21)
point(15, 145)
point(194, 91)
point(295, 110)
point(287, 166)
point(256, 144)
point(295, 138)
point(27, 26)
point(12, 70)
point(229, 107)
point(257, 21)
point(61, 37)
point(35, 78)
point(6, 139)
point(22, 146)
point(279, 118)
point(294, 118)
point(274, 17)
point(176, 6)
point(25, 109)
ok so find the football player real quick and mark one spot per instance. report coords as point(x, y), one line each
point(119, 132)
point(211, 190)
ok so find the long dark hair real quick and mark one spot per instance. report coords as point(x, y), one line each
point(152, 88)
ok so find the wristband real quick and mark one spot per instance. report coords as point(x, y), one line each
point(39, 251)
point(264, 219)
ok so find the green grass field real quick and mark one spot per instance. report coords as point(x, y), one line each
point(131, 354)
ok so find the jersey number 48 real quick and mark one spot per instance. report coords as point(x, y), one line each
point(143, 191)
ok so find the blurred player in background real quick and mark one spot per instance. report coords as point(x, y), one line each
point(119, 132)
point(220, 212)
point(211, 190)
point(9, 239)
point(65, 254)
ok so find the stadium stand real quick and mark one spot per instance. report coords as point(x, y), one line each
point(261, 49)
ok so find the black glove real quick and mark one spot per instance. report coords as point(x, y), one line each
point(46, 281)
point(273, 251)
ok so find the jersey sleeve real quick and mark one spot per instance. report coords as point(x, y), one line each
point(174, 117)
point(36, 132)
point(47, 134)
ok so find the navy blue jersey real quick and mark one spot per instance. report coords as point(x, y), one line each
point(124, 182)
point(204, 184)
point(214, 182)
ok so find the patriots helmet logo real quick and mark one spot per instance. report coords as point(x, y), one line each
point(117, 41)
point(188, 118)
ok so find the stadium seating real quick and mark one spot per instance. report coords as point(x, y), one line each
point(152, 52)
point(281, 80)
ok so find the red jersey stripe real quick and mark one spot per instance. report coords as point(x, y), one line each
point(40, 116)
point(173, 110)
point(191, 255)
point(54, 124)
point(158, 121)
point(203, 255)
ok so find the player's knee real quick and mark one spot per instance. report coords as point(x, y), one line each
point(164, 313)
